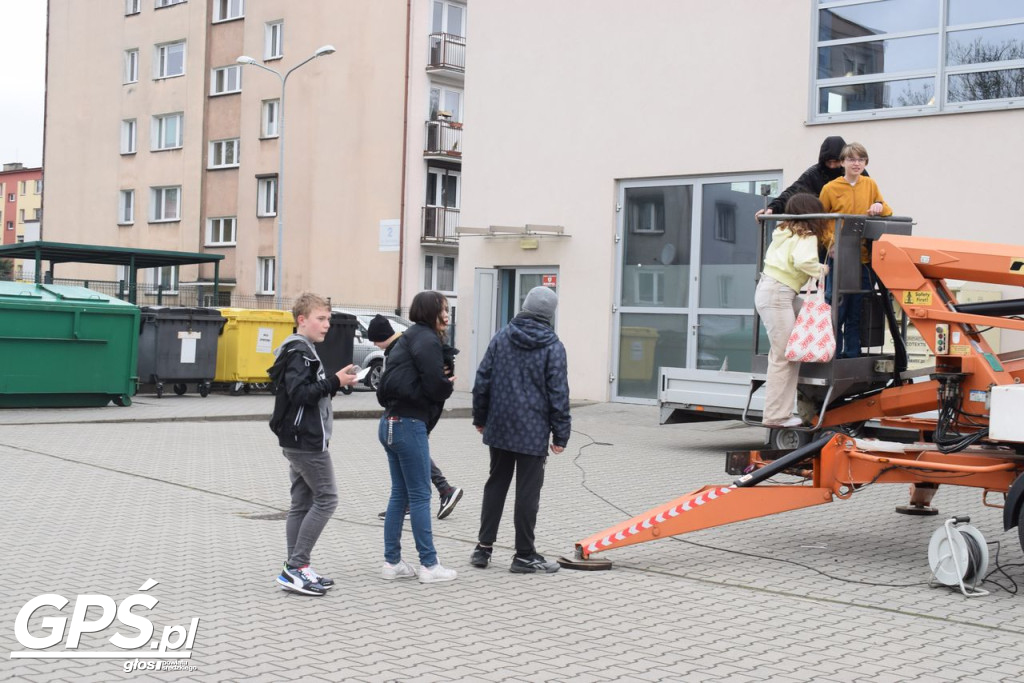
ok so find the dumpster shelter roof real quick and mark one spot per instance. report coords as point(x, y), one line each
point(60, 252)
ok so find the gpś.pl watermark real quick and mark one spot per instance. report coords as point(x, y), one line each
point(174, 643)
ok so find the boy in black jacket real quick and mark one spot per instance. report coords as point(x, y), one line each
point(303, 421)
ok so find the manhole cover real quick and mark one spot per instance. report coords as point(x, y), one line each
point(265, 515)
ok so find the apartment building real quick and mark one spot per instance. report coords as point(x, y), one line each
point(22, 190)
point(618, 150)
point(338, 135)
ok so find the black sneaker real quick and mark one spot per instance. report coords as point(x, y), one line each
point(481, 556)
point(448, 502)
point(532, 563)
point(383, 515)
point(300, 580)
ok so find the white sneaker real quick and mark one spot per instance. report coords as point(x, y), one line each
point(436, 574)
point(397, 571)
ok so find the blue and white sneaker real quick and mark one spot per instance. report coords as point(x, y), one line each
point(300, 580)
point(325, 581)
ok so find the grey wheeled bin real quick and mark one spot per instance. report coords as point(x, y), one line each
point(177, 346)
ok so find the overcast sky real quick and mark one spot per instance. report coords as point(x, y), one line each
point(23, 54)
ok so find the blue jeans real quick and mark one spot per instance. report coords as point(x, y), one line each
point(405, 441)
point(848, 316)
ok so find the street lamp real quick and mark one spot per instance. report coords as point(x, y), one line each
point(279, 266)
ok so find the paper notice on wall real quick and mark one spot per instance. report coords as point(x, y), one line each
point(188, 345)
point(265, 340)
point(389, 230)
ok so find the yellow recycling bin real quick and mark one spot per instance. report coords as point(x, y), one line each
point(247, 343)
point(636, 352)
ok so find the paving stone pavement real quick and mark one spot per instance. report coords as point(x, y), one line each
point(189, 491)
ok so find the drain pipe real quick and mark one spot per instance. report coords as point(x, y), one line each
point(405, 143)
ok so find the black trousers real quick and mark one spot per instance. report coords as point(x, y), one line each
point(529, 471)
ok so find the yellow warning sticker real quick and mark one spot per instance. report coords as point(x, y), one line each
point(1017, 265)
point(917, 297)
point(960, 350)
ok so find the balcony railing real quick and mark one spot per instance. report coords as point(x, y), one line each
point(443, 139)
point(447, 52)
point(439, 223)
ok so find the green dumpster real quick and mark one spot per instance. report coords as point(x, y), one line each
point(64, 346)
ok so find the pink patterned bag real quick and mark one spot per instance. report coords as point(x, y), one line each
point(812, 340)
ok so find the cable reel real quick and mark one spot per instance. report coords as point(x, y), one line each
point(958, 556)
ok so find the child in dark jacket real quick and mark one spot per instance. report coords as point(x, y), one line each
point(303, 421)
point(521, 405)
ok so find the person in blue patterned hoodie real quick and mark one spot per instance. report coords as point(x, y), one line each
point(521, 405)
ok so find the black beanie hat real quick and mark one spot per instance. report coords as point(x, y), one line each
point(379, 329)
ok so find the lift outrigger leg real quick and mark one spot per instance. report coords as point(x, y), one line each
point(708, 507)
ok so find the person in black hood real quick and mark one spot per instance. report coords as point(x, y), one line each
point(521, 405)
point(814, 178)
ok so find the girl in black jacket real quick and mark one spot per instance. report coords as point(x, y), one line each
point(413, 389)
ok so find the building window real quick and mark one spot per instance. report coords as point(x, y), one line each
point(267, 196)
point(646, 214)
point(165, 203)
point(439, 273)
point(131, 66)
point(21, 187)
point(167, 132)
point(10, 225)
point(170, 59)
point(39, 187)
point(132, 7)
point(228, 9)
point(273, 46)
point(37, 213)
point(128, 135)
point(126, 207)
point(224, 153)
point(226, 79)
point(914, 57)
point(448, 17)
point(165, 278)
point(11, 197)
point(266, 283)
point(271, 108)
point(167, 3)
point(220, 231)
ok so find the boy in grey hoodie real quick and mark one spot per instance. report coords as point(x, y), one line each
point(302, 421)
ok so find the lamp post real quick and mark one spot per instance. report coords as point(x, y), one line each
point(279, 265)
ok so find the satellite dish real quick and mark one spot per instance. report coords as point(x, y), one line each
point(668, 253)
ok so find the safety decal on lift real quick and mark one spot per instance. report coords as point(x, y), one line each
point(1017, 265)
point(916, 297)
point(960, 350)
point(686, 506)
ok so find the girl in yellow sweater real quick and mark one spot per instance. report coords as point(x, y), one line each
point(791, 259)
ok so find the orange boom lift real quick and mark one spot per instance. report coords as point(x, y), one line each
point(976, 440)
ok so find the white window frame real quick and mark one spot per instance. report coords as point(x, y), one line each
point(163, 52)
point(226, 10)
point(273, 40)
point(224, 153)
point(126, 207)
point(266, 196)
point(939, 72)
point(11, 197)
point(39, 187)
point(129, 136)
point(441, 23)
point(167, 3)
point(131, 66)
point(156, 277)
point(221, 231)
point(160, 130)
point(157, 202)
point(225, 80)
point(430, 270)
point(266, 275)
point(270, 116)
point(132, 7)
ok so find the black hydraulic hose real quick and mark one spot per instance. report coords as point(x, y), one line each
point(785, 462)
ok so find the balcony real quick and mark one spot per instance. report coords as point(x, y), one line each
point(439, 223)
point(443, 140)
point(447, 55)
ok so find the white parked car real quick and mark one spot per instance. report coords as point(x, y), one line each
point(364, 353)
